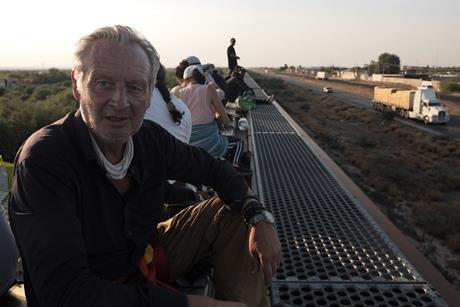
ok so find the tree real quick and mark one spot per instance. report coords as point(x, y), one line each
point(386, 64)
point(283, 68)
point(389, 63)
point(372, 68)
point(41, 93)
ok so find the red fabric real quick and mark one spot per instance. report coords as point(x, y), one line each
point(157, 271)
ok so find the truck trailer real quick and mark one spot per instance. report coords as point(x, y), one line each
point(322, 75)
point(420, 104)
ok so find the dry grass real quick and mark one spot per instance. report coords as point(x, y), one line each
point(412, 175)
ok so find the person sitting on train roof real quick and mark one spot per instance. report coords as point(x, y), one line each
point(169, 111)
point(88, 191)
point(204, 104)
point(179, 73)
point(236, 85)
point(211, 74)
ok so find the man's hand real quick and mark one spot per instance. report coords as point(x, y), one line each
point(204, 301)
point(264, 249)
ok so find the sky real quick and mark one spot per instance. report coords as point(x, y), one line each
point(43, 33)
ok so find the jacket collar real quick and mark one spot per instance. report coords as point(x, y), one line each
point(80, 135)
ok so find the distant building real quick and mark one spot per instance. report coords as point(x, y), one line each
point(416, 70)
point(8, 82)
point(380, 77)
point(348, 75)
point(446, 78)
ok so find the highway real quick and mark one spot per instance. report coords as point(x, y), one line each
point(451, 129)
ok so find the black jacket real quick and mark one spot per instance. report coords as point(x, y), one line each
point(76, 233)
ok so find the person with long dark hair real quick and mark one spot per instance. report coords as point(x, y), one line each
point(169, 111)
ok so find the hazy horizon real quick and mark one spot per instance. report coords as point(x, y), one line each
point(351, 33)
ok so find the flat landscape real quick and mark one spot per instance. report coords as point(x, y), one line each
point(366, 88)
point(410, 174)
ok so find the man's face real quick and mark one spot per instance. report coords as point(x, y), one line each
point(232, 42)
point(114, 91)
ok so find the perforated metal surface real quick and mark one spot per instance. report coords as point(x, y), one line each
point(265, 121)
point(338, 295)
point(331, 235)
point(330, 245)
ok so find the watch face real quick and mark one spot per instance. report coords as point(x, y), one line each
point(264, 216)
point(269, 217)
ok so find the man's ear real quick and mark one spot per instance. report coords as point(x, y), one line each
point(75, 92)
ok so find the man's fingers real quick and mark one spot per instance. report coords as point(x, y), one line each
point(255, 265)
point(267, 269)
point(277, 261)
point(275, 265)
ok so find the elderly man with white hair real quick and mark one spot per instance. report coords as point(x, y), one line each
point(88, 192)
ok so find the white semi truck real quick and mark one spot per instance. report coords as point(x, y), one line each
point(421, 104)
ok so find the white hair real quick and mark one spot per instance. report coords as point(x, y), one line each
point(123, 35)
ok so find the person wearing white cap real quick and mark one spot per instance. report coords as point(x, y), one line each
point(207, 70)
point(193, 60)
point(204, 104)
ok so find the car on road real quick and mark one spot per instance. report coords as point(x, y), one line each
point(327, 90)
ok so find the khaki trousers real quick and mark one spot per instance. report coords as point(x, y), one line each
point(210, 229)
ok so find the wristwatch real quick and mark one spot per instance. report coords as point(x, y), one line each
point(264, 216)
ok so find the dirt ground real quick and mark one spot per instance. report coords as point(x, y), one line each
point(452, 107)
point(411, 175)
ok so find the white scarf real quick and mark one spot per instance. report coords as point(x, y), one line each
point(115, 171)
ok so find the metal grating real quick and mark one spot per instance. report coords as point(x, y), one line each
point(334, 295)
point(265, 121)
point(323, 232)
point(330, 244)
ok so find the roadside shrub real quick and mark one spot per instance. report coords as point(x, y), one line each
point(41, 93)
point(269, 83)
point(435, 194)
point(305, 107)
point(332, 142)
point(449, 86)
point(454, 242)
point(434, 223)
point(366, 142)
point(397, 175)
point(442, 221)
point(273, 83)
point(445, 175)
point(388, 115)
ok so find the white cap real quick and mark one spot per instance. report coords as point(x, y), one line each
point(192, 60)
point(189, 70)
point(207, 67)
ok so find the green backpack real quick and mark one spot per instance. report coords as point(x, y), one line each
point(245, 103)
